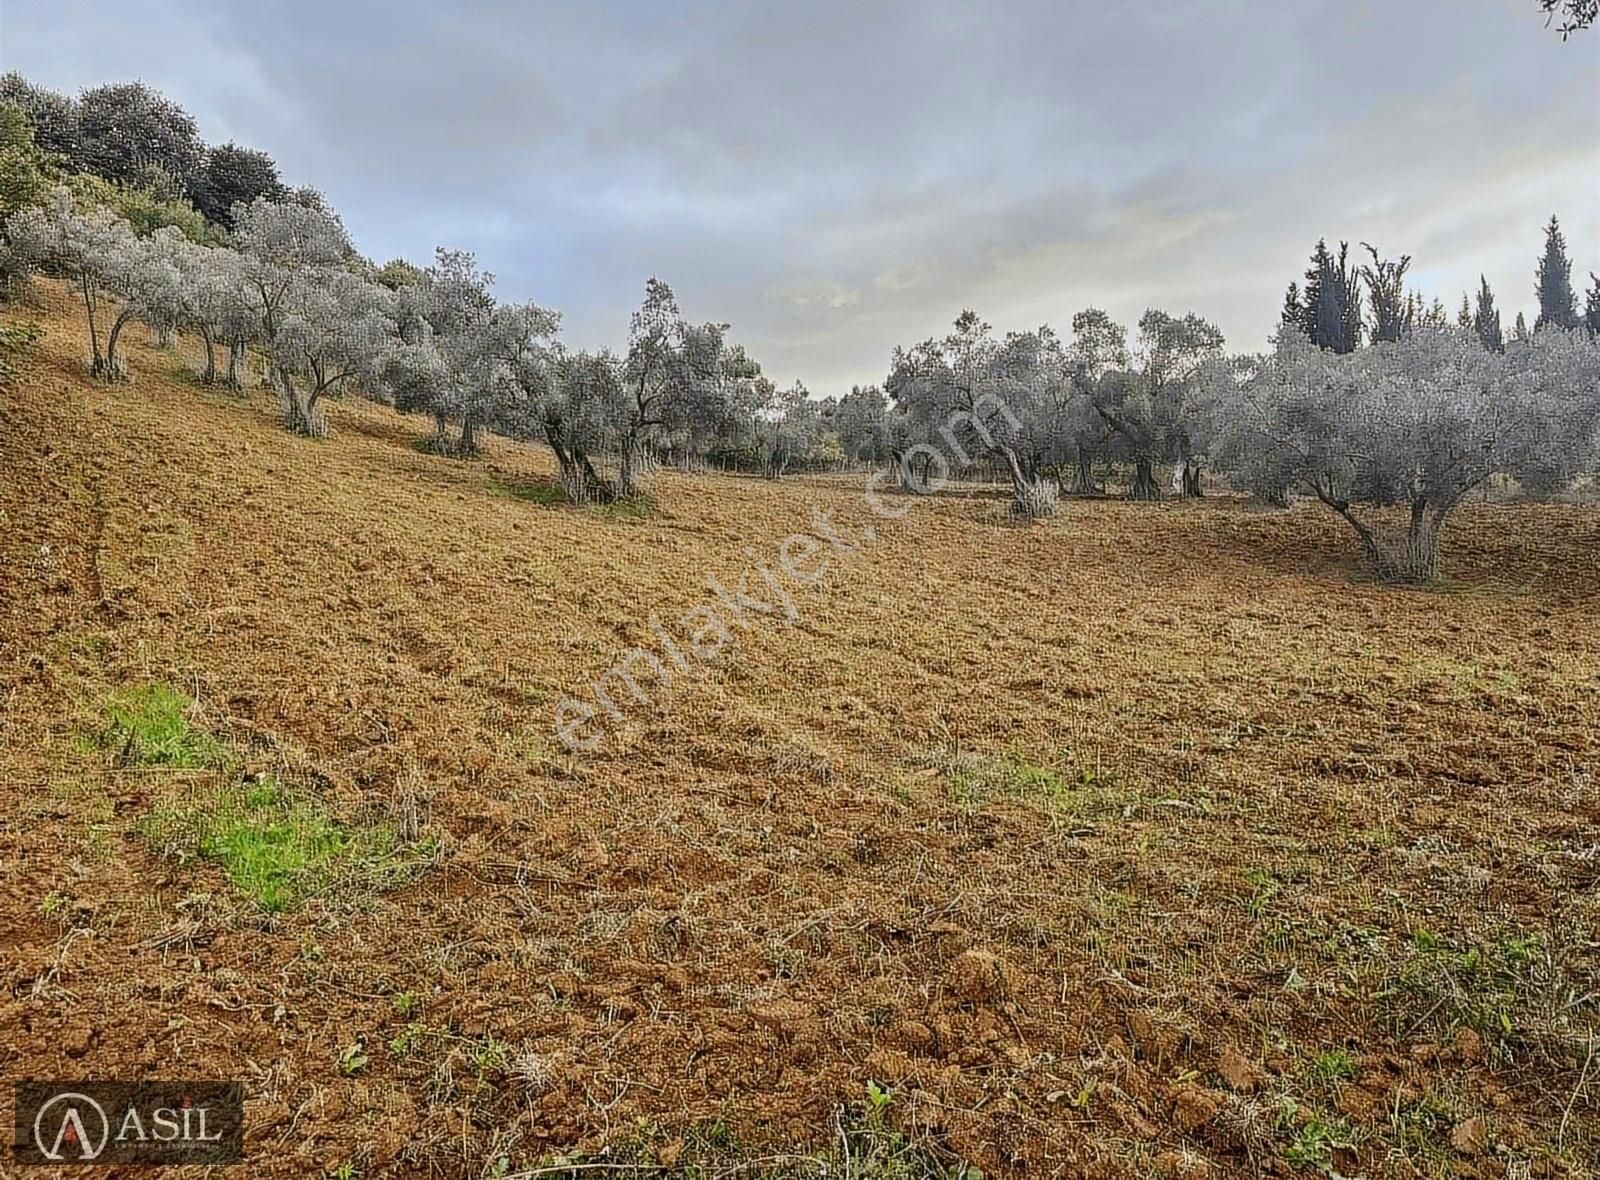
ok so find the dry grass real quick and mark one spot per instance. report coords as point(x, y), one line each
point(1145, 841)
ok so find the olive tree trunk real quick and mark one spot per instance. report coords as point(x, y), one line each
point(1144, 485)
point(1414, 556)
point(209, 375)
point(110, 367)
point(300, 414)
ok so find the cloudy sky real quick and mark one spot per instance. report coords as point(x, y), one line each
point(837, 176)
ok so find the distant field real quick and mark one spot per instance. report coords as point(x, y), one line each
point(1145, 841)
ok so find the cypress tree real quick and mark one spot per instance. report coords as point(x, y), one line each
point(1348, 278)
point(1328, 322)
point(1591, 311)
point(1558, 305)
point(1519, 334)
point(1293, 312)
point(1386, 285)
point(1486, 322)
point(1464, 316)
point(1318, 276)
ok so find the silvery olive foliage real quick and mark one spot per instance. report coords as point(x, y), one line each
point(576, 402)
point(679, 377)
point(862, 425)
point(1151, 407)
point(462, 350)
point(1434, 415)
point(217, 307)
point(1042, 407)
point(984, 396)
point(318, 322)
point(147, 275)
point(777, 428)
point(86, 248)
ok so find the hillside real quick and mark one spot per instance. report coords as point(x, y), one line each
point(1148, 840)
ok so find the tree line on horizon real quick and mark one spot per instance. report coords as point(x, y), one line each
point(1366, 398)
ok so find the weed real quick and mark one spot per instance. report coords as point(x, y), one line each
point(149, 726)
point(54, 906)
point(488, 1054)
point(278, 848)
point(1314, 1145)
point(405, 1004)
point(1265, 887)
point(1488, 987)
point(1334, 1065)
point(405, 1042)
point(16, 342)
point(352, 1059)
point(631, 509)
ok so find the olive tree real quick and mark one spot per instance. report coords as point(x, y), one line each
point(1147, 406)
point(216, 305)
point(88, 248)
point(479, 344)
point(148, 276)
point(862, 424)
point(780, 426)
point(328, 334)
point(677, 375)
point(988, 397)
point(1433, 414)
point(318, 323)
point(1097, 354)
point(575, 402)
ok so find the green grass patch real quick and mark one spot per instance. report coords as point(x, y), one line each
point(150, 725)
point(1313, 1145)
point(1079, 791)
point(1507, 987)
point(534, 491)
point(1334, 1065)
point(278, 848)
point(630, 508)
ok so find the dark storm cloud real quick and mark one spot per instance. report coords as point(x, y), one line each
point(837, 177)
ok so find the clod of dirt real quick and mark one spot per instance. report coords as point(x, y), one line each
point(1470, 1137)
point(77, 1040)
point(914, 1036)
point(1178, 1165)
point(787, 1018)
point(593, 855)
point(1469, 1045)
point(1157, 1041)
point(1238, 1072)
point(982, 977)
point(891, 1065)
point(1356, 1102)
point(1195, 1106)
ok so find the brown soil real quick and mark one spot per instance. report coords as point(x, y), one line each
point(1150, 840)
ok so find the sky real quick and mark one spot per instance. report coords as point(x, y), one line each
point(836, 177)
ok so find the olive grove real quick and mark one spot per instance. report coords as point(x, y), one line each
point(1433, 414)
point(1372, 401)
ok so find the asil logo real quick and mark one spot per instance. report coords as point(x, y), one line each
point(61, 1132)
